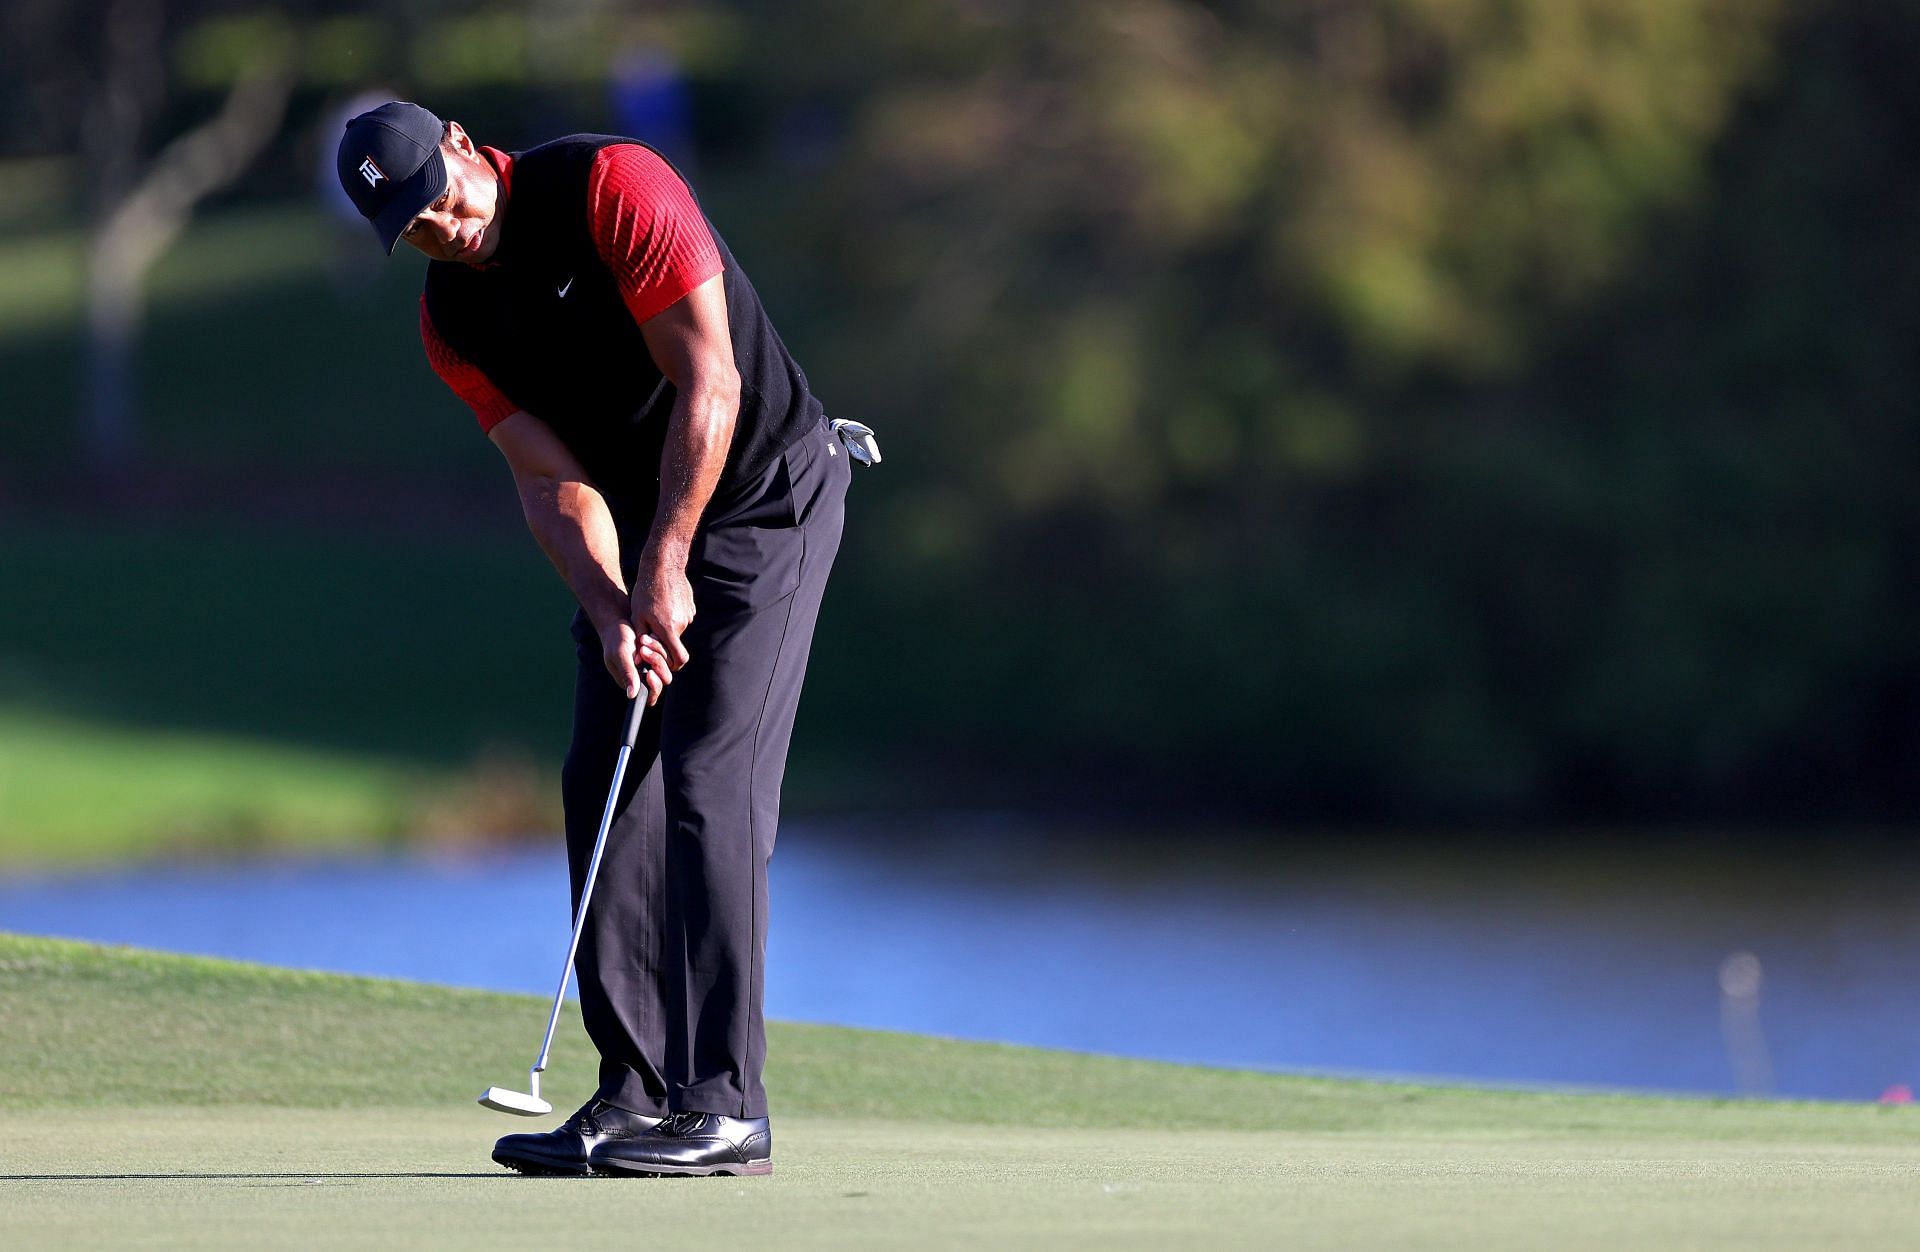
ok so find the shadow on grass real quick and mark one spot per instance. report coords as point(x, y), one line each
point(249, 1177)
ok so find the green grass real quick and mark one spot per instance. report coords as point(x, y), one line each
point(250, 680)
point(419, 648)
point(278, 686)
point(74, 791)
point(153, 1100)
point(289, 685)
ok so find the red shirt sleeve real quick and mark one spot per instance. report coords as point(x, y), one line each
point(647, 228)
point(488, 402)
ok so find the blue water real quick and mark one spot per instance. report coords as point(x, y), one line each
point(1546, 973)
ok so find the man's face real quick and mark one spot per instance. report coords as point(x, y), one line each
point(464, 223)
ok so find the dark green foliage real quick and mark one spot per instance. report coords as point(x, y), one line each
point(1401, 410)
point(1405, 409)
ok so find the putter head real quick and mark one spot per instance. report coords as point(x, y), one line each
point(502, 1100)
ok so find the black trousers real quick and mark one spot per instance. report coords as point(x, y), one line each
point(671, 961)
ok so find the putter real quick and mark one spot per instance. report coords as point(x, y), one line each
point(528, 1103)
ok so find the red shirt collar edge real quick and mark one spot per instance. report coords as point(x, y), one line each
point(502, 165)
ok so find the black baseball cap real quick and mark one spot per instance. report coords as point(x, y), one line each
point(390, 166)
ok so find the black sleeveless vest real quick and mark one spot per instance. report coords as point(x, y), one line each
point(545, 322)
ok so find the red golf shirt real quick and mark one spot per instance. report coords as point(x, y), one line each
point(649, 233)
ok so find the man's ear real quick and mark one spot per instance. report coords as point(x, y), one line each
point(458, 140)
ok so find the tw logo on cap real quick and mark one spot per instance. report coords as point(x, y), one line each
point(372, 173)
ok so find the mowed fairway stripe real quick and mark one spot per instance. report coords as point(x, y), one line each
point(366, 1179)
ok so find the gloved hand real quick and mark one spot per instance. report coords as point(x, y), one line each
point(858, 440)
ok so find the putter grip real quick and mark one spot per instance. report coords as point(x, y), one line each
point(633, 717)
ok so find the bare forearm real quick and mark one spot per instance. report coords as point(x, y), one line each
point(573, 526)
point(699, 432)
point(689, 341)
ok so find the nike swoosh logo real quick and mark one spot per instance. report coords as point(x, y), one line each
point(565, 287)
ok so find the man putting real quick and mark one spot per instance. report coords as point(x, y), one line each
point(677, 470)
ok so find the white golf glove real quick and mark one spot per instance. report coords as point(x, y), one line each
point(858, 440)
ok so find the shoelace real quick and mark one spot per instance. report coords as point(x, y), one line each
point(680, 1123)
point(586, 1121)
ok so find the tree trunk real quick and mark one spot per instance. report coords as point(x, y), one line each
point(133, 234)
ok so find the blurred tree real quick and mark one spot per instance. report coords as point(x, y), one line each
point(1409, 407)
point(1201, 296)
point(139, 209)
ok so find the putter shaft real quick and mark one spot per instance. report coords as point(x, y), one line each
point(586, 888)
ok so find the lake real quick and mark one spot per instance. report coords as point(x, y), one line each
point(1623, 967)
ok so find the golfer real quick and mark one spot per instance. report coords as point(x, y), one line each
point(676, 468)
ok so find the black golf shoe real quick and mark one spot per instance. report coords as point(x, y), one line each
point(690, 1144)
point(564, 1151)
